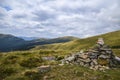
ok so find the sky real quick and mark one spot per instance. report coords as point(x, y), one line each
point(56, 18)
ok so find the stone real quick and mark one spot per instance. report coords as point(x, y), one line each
point(117, 58)
point(60, 64)
point(100, 41)
point(70, 59)
point(43, 69)
point(83, 55)
point(87, 60)
point(93, 55)
point(95, 61)
point(109, 52)
point(104, 56)
point(86, 64)
point(45, 77)
point(81, 63)
point(96, 67)
point(48, 58)
point(92, 64)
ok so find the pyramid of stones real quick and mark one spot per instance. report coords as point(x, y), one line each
point(100, 57)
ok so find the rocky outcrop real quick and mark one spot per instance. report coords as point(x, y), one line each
point(100, 57)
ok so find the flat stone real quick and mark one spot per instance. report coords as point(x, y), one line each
point(84, 56)
point(95, 61)
point(48, 58)
point(44, 68)
point(117, 58)
point(104, 56)
point(93, 55)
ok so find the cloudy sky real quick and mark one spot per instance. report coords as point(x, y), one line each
point(55, 18)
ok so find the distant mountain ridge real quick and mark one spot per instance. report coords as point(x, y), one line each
point(28, 38)
point(11, 43)
point(43, 41)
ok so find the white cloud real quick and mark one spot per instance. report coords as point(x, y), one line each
point(54, 18)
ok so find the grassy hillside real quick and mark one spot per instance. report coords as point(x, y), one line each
point(22, 65)
point(14, 65)
point(112, 39)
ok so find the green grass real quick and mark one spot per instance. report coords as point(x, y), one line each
point(22, 65)
point(117, 52)
point(14, 64)
point(75, 72)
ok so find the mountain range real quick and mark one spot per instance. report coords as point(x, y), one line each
point(28, 38)
point(10, 43)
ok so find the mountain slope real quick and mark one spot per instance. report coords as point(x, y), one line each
point(43, 41)
point(112, 39)
point(9, 42)
point(28, 38)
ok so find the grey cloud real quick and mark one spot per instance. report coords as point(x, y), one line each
point(3, 12)
point(18, 16)
point(43, 15)
point(3, 26)
point(2, 2)
point(54, 18)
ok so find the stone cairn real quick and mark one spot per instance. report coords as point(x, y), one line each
point(100, 57)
